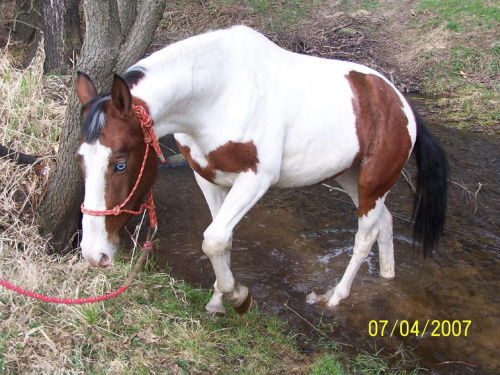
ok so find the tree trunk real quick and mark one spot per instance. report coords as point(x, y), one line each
point(27, 20)
point(128, 12)
point(63, 40)
point(103, 54)
point(26, 27)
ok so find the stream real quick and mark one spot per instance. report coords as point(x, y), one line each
point(297, 241)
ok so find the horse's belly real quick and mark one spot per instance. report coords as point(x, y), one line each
point(311, 172)
point(310, 160)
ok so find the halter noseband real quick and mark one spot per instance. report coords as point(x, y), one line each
point(149, 139)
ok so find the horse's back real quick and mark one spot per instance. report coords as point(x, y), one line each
point(316, 108)
point(301, 112)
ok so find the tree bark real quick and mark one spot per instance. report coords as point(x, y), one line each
point(27, 27)
point(127, 12)
point(144, 28)
point(62, 36)
point(27, 20)
point(103, 54)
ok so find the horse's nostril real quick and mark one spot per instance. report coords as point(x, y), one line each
point(105, 261)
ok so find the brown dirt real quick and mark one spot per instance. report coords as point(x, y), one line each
point(325, 31)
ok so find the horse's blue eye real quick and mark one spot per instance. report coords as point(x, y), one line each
point(120, 167)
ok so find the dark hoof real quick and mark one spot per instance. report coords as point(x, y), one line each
point(245, 305)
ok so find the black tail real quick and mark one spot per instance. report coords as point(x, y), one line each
point(429, 208)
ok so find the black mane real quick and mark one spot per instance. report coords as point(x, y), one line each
point(95, 120)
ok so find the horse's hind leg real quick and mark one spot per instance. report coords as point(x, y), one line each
point(368, 232)
point(386, 245)
point(349, 181)
point(378, 171)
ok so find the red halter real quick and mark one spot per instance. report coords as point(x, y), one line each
point(149, 139)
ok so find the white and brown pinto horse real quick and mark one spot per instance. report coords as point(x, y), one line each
point(249, 115)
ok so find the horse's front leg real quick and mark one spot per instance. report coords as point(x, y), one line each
point(248, 188)
point(215, 196)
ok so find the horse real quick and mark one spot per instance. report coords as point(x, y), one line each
point(248, 116)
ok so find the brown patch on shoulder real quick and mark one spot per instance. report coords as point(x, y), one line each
point(381, 126)
point(235, 157)
point(232, 157)
point(208, 173)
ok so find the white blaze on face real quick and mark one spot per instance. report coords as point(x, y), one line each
point(95, 242)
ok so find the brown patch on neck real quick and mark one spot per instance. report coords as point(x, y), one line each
point(381, 126)
point(232, 157)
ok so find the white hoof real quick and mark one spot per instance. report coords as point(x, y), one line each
point(333, 302)
point(388, 275)
point(216, 306)
point(312, 298)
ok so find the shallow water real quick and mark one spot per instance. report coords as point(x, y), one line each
point(297, 241)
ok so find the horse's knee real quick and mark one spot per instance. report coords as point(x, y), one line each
point(215, 244)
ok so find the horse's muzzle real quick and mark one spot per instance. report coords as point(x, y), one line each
point(102, 260)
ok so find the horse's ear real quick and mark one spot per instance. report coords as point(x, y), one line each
point(85, 88)
point(121, 97)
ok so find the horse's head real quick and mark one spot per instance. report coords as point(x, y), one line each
point(117, 169)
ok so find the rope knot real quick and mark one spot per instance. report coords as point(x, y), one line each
point(115, 210)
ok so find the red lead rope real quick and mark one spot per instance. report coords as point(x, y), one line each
point(79, 301)
point(149, 138)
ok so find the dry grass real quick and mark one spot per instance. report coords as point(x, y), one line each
point(34, 337)
point(157, 326)
point(30, 117)
point(29, 123)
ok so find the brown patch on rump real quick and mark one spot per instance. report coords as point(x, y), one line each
point(232, 157)
point(381, 126)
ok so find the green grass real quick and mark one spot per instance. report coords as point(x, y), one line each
point(327, 364)
point(465, 74)
point(278, 16)
point(159, 325)
point(463, 15)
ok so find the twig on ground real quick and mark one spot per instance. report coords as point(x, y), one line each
point(304, 319)
point(470, 197)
